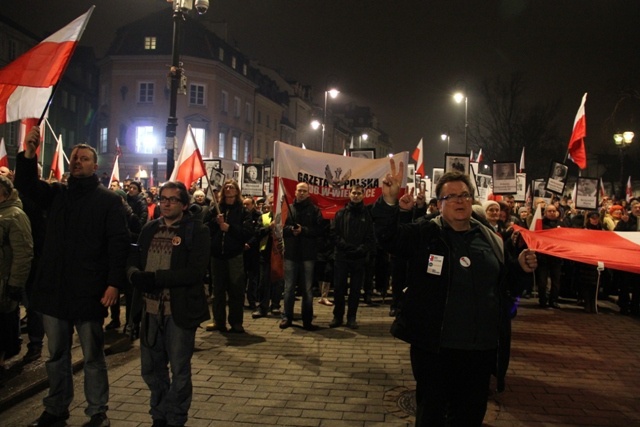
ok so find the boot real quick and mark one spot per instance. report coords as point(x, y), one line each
point(324, 294)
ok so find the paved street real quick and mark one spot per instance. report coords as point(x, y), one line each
point(567, 368)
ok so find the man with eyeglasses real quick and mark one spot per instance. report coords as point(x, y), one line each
point(168, 268)
point(455, 308)
point(354, 239)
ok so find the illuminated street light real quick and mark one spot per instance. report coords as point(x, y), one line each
point(622, 141)
point(315, 124)
point(459, 97)
point(446, 137)
point(333, 93)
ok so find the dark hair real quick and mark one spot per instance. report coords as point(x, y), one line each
point(176, 185)
point(6, 185)
point(452, 177)
point(137, 184)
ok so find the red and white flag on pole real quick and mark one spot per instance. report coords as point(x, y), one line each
point(629, 190)
point(522, 161)
point(118, 149)
point(536, 222)
point(602, 193)
point(26, 84)
point(471, 159)
point(577, 151)
point(25, 126)
point(189, 166)
point(418, 157)
point(4, 157)
point(57, 164)
point(115, 174)
point(480, 156)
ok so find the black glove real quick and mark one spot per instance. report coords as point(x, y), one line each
point(145, 281)
point(14, 293)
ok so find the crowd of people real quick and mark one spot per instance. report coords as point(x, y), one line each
point(180, 256)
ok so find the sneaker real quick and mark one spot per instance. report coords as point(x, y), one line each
point(351, 323)
point(284, 324)
point(258, 314)
point(98, 420)
point(114, 324)
point(335, 323)
point(33, 354)
point(276, 311)
point(215, 327)
point(50, 420)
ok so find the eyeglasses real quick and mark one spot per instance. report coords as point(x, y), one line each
point(464, 197)
point(171, 200)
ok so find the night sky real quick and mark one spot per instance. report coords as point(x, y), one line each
point(405, 58)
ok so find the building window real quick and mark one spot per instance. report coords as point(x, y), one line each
point(104, 94)
point(244, 69)
point(259, 117)
point(268, 122)
point(72, 103)
point(64, 99)
point(222, 139)
point(246, 151)
point(104, 140)
point(145, 139)
point(224, 102)
point(247, 107)
point(149, 43)
point(234, 62)
point(234, 148)
point(259, 147)
point(145, 92)
point(275, 123)
point(200, 136)
point(236, 107)
point(221, 54)
point(196, 94)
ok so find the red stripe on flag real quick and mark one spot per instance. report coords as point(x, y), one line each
point(39, 67)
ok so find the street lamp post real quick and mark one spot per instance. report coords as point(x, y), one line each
point(622, 141)
point(446, 137)
point(333, 93)
point(180, 9)
point(459, 97)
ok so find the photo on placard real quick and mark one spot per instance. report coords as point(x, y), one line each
point(252, 179)
point(557, 177)
point(483, 186)
point(587, 194)
point(363, 153)
point(504, 178)
point(456, 163)
point(538, 187)
point(437, 174)
point(266, 179)
point(216, 179)
point(521, 187)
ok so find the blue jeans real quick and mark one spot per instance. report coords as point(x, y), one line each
point(96, 383)
point(165, 344)
point(298, 272)
point(342, 270)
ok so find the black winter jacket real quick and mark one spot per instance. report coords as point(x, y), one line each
point(304, 246)
point(352, 233)
point(226, 245)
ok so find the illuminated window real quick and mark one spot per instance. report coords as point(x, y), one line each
point(221, 54)
point(234, 148)
point(200, 136)
point(149, 43)
point(145, 139)
point(233, 62)
point(245, 157)
point(222, 139)
point(224, 102)
point(104, 139)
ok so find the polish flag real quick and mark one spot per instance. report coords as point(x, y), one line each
point(26, 84)
point(118, 149)
point(471, 157)
point(417, 156)
point(577, 152)
point(629, 191)
point(522, 161)
point(611, 249)
point(115, 175)
point(57, 164)
point(480, 156)
point(189, 166)
point(4, 157)
point(536, 222)
point(602, 193)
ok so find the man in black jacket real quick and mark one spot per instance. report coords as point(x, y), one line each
point(169, 268)
point(301, 231)
point(354, 239)
point(629, 282)
point(454, 308)
point(82, 266)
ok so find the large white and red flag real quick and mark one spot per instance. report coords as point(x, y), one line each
point(616, 250)
point(57, 163)
point(418, 157)
point(577, 151)
point(26, 83)
point(4, 156)
point(629, 190)
point(329, 176)
point(189, 166)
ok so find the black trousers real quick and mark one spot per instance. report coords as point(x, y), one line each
point(451, 386)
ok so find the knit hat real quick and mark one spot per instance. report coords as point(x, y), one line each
point(522, 209)
point(489, 203)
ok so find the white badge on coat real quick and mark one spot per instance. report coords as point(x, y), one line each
point(435, 264)
point(465, 261)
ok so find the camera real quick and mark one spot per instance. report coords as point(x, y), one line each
point(202, 6)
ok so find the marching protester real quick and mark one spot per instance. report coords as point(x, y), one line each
point(455, 306)
point(82, 266)
point(168, 267)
